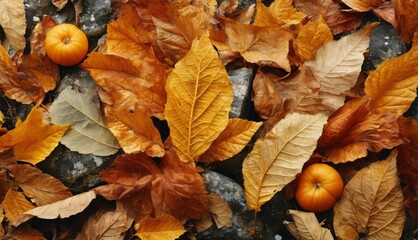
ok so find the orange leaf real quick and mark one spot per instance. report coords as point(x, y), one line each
point(160, 228)
point(406, 13)
point(265, 18)
point(353, 130)
point(15, 204)
point(231, 141)
point(284, 11)
point(362, 5)
point(392, 86)
point(408, 152)
point(26, 232)
point(33, 140)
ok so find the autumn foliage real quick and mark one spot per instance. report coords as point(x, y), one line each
point(167, 61)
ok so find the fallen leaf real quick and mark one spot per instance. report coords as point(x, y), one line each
point(411, 201)
point(231, 141)
point(406, 13)
point(311, 37)
point(60, 209)
point(310, 7)
point(15, 204)
point(25, 232)
point(392, 77)
point(306, 226)
point(372, 203)
point(88, 133)
point(160, 228)
point(60, 4)
point(33, 140)
point(338, 65)
point(278, 157)
point(362, 5)
point(40, 187)
point(13, 22)
point(266, 18)
point(353, 130)
point(108, 224)
point(386, 12)
point(199, 97)
point(340, 21)
point(38, 35)
point(408, 152)
point(221, 212)
point(284, 11)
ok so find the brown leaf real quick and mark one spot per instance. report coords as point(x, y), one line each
point(25, 232)
point(38, 35)
point(353, 130)
point(372, 204)
point(160, 228)
point(231, 141)
point(60, 4)
point(108, 224)
point(340, 21)
point(408, 152)
point(40, 187)
point(362, 5)
point(386, 12)
point(306, 226)
point(411, 201)
point(310, 7)
point(15, 204)
point(221, 212)
point(406, 13)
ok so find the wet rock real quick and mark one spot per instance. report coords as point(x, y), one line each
point(79, 172)
point(384, 44)
point(241, 80)
point(233, 194)
point(77, 78)
point(95, 16)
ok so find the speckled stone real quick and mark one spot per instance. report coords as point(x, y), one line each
point(241, 80)
point(95, 16)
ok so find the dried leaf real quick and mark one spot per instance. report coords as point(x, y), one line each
point(338, 64)
point(311, 37)
point(61, 209)
point(13, 22)
point(411, 201)
point(33, 140)
point(221, 212)
point(25, 232)
point(307, 227)
point(372, 204)
point(362, 5)
point(41, 188)
point(88, 133)
point(284, 11)
point(406, 13)
point(38, 35)
point(340, 21)
point(199, 97)
point(60, 4)
point(160, 228)
point(231, 141)
point(265, 18)
point(392, 86)
point(353, 130)
point(108, 225)
point(279, 156)
point(386, 12)
point(14, 205)
point(408, 152)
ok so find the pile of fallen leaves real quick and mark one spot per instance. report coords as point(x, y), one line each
point(169, 60)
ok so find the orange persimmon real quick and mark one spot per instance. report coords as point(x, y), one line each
point(66, 44)
point(319, 187)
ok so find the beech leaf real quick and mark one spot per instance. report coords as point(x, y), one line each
point(13, 22)
point(14, 205)
point(231, 141)
point(307, 227)
point(199, 97)
point(279, 156)
point(88, 133)
point(372, 203)
point(160, 228)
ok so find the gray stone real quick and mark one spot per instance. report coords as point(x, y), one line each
point(35, 10)
point(241, 80)
point(233, 194)
point(384, 44)
point(95, 16)
point(78, 78)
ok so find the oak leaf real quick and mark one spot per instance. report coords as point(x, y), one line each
point(408, 152)
point(278, 157)
point(199, 97)
point(353, 130)
point(33, 140)
point(14, 205)
point(392, 77)
point(13, 22)
point(306, 226)
point(231, 141)
point(88, 133)
point(160, 228)
point(362, 5)
point(372, 203)
point(406, 13)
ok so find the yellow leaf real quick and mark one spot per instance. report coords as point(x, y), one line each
point(284, 11)
point(232, 140)
point(392, 86)
point(372, 204)
point(33, 140)
point(199, 97)
point(279, 156)
point(15, 204)
point(311, 37)
point(265, 18)
point(306, 226)
point(161, 228)
point(362, 5)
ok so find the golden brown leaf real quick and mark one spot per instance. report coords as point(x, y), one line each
point(408, 152)
point(38, 35)
point(221, 212)
point(372, 203)
point(265, 18)
point(307, 227)
point(392, 86)
point(40, 187)
point(353, 130)
point(311, 37)
point(284, 11)
point(231, 141)
point(362, 5)
point(33, 140)
point(160, 228)
point(279, 156)
point(15, 204)
point(199, 97)
point(406, 13)
point(25, 232)
point(340, 21)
